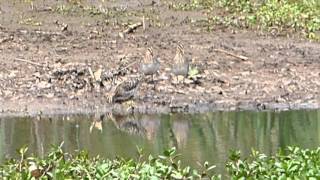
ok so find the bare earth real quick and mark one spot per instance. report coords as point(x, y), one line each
point(46, 54)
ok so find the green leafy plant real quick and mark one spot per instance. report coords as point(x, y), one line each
point(193, 72)
point(294, 163)
point(60, 165)
point(300, 16)
point(30, 21)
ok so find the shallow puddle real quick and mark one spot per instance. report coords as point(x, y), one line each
point(198, 137)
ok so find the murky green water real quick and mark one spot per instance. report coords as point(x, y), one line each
point(200, 137)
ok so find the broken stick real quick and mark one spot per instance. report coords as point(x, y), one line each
point(132, 27)
point(129, 65)
point(29, 62)
point(143, 23)
point(91, 73)
point(244, 58)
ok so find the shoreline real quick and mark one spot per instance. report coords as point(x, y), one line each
point(56, 109)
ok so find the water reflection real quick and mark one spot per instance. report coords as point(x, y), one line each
point(199, 137)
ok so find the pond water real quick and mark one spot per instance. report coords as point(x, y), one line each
point(198, 137)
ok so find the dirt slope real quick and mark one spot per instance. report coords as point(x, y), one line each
point(47, 51)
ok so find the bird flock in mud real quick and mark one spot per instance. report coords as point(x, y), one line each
point(149, 66)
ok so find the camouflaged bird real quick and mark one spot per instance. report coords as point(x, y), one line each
point(181, 64)
point(124, 91)
point(150, 65)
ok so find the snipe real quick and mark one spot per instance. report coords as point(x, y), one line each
point(124, 91)
point(150, 65)
point(181, 64)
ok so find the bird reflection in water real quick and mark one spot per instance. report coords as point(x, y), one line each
point(97, 122)
point(128, 124)
point(152, 125)
point(144, 126)
point(180, 129)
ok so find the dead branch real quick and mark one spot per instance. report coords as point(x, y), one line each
point(132, 27)
point(91, 73)
point(29, 62)
point(126, 67)
point(143, 23)
point(244, 58)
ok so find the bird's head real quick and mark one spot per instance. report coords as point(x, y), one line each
point(148, 56)
point(179, 54)
point(180, 49)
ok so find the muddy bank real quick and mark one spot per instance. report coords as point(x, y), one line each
point(54, 108)
point(45, 67)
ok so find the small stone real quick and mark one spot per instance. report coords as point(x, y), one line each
point(43, 85)
point(121, 35)
point(188, 81)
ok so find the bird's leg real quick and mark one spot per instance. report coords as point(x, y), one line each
point(149, 80)
point(154, 84)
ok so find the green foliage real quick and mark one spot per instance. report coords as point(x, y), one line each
point(299, 16)
point(193, 72)
point(237, 5)
point(285, 15)
point(294, 163)
point(297, 164)
point(60, 165)
point(30, 21)
point(193, 5)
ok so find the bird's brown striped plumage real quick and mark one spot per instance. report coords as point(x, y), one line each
point(124, 90)
point(181, 64)
point(150, 65)
point(179, 57)
point(148, 57)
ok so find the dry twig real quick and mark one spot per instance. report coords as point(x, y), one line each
point(29, 62)
point(143, 23)
point(132, 27)
point(244, 58)
point(129, 65)
point(91, 73)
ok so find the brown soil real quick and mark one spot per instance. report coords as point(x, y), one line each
point(280, 73)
